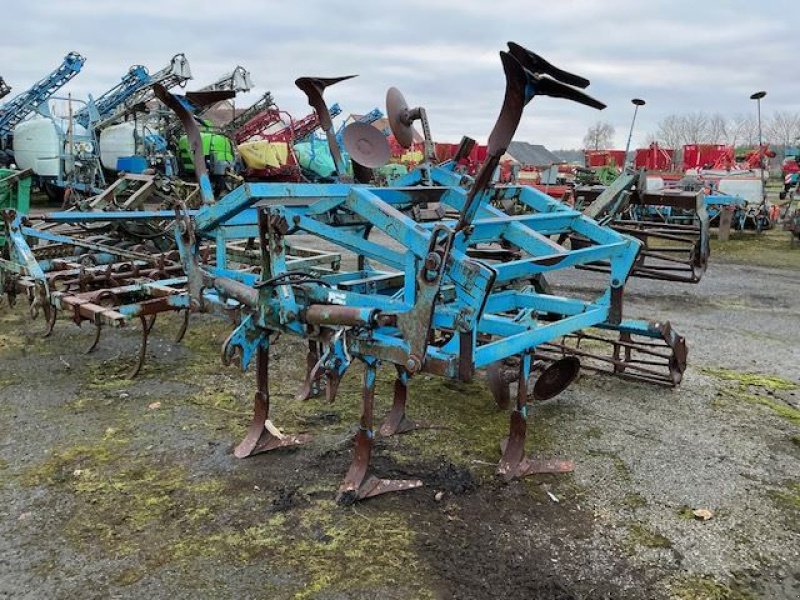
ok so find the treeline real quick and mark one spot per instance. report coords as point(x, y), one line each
point(780, 128)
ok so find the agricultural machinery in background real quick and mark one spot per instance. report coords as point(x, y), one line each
point(266, 143)
point(791, 219)
point(218, 149)
point(259, 106)
point(128, 142)
point(449, 274)
point(5, 89)
point(34, 99)
point(66, 152)
point(175, 74)
point(790, 212)
point(671, 224)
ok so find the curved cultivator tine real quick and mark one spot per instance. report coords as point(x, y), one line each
point(502, 133)
point(97, 331)
point(498, 379)
point(514, 464)
point(262, 435)
point(194, 138)
point(146, 326)
point(314, 88)
point(184, 327)
point(358, 484)
point(396, 421)
point(51, 323)
point(312, 384)
point(151, 322)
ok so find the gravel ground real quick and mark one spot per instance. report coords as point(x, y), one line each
point(114, 488)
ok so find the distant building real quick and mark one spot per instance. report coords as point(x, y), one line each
point(222, 113)
point(530, 155)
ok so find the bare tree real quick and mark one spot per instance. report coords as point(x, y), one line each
point(670, 131)
point(743, 130)
point(599, 136)
point(717, 129)
point(695, 128)
point(783, 128)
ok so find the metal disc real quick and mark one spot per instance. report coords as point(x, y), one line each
point(397, 113)
point(556, 378)
point(366, 145)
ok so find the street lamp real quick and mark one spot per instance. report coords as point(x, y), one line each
point(757, 97)
point(637, 102)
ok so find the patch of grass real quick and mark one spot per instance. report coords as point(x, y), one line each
point(620, 467)
point(129, 576)
point(795, 440)
point(769, 249)
point(686, 513)
point(769, 382)
point(7, 381)
point(697, 587)
point(322, 544)
point(593, 433)
point(129, 504)
point(473, 425)
point(62, 464)
point(634, 500)
point(113, 374)
point(741, 395)
point(788, 501)
point(120, 494)
point(743, 391)
point(639, 535)
point(10, 344)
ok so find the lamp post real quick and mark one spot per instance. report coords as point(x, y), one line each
point(757, 97)
point(637, 102)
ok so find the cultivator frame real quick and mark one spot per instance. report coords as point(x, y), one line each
point(451, 286)
point(431, 306)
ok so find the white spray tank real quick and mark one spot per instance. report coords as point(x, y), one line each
point(39, 143)
point(116, 142)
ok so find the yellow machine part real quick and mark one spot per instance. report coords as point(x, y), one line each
point(262, 154)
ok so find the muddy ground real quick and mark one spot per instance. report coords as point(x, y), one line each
point(118, 488)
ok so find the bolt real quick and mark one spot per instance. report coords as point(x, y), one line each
point(432, 261)
point(413, 364)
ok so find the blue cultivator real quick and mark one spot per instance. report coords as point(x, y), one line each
point(445, 282)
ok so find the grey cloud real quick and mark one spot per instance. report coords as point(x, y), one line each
point(680, 56)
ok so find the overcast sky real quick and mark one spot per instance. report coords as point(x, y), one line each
point(678, 55)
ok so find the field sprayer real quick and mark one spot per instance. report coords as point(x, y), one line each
point(442, 295)
point(275, 127)
point(19, 108)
